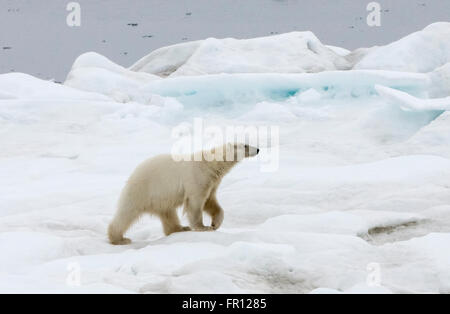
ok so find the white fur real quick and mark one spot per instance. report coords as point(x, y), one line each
point(160, 185)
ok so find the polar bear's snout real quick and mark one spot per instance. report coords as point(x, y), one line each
point(241, 151)
point(251, 151)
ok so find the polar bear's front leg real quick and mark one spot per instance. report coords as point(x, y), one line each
point(171, 223)
point(194, 209)
point(213, 208)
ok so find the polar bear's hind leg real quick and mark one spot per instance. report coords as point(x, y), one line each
point(121, 223)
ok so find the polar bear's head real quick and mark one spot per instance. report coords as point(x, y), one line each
point(229, 153)
point(240, 151)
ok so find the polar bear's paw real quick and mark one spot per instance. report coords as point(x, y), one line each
point(177, 229)
point(123, 241)
point(204, 228)
point(217, 220)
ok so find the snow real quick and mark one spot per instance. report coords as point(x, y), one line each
point(440, 79)
point(94, 73)
point(339, 50)
point(355, 223)
point(357, 289)
point(24, 86)
point(358, 200)
point(423, 51)
point(294, 52)
point(411, 103)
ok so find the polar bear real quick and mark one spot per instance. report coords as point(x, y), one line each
point(162, 184)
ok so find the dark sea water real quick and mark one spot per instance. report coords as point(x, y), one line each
point(34, 36)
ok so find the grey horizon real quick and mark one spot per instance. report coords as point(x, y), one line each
point(35, 39)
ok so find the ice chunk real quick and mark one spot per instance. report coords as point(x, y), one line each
point(339, 50)
point(164, 61)
point(294, 52)
point(410, 103)
point(423, 51)
point(226, 89)
point(435, 137)
point(356, 55)
point(310, 95)
point(24, 86)
point(95, 73)
point(440, 82)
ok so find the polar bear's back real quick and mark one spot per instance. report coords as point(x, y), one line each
point(155, 185)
